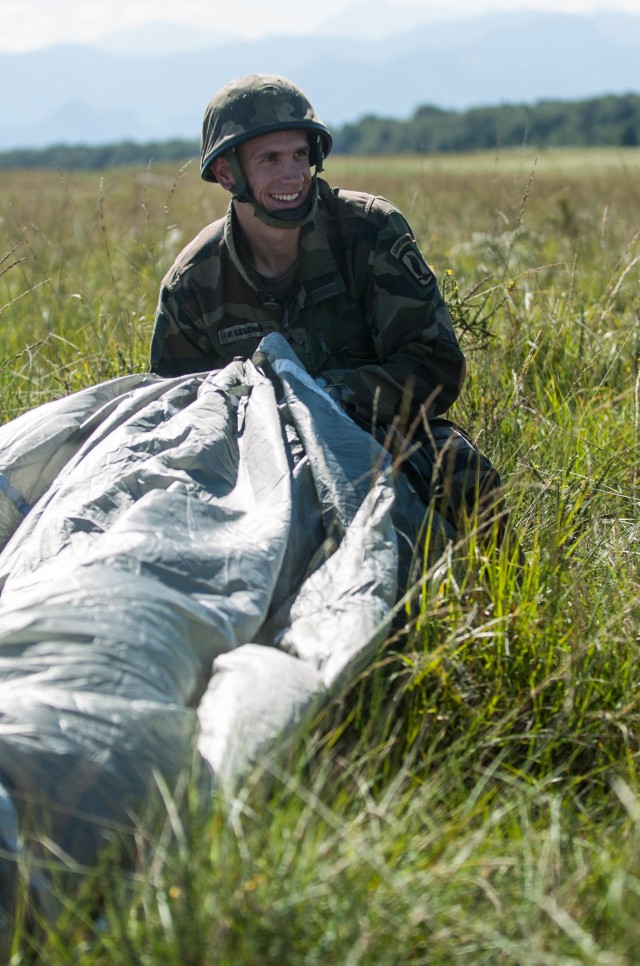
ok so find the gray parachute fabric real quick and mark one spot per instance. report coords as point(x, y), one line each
point(189, 566)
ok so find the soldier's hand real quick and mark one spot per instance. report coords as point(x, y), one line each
point(262, 364)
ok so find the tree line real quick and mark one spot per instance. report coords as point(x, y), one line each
point(611, 120)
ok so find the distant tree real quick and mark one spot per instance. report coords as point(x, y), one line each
point(89, 158)
point(611, 119)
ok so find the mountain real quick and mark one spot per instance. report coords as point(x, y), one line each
point(99, 94)
point(371, 19)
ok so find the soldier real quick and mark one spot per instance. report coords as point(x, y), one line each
point(338, 273)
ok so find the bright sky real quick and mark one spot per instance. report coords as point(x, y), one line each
point(28, 24)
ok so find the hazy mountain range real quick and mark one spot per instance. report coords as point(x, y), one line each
point(152, 83)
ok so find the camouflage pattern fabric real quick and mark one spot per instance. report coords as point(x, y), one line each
point(449, 473)
point(364, 309)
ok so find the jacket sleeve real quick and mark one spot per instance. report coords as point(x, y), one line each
point(180, 343)
point(421, 365)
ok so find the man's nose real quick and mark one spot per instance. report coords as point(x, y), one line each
point(292, 172)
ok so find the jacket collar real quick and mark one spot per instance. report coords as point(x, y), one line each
point(318, 277)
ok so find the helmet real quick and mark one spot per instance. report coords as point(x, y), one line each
point(258, 104)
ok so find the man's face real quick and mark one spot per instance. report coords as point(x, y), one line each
point(277, 168)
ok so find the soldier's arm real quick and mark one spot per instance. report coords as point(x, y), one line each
point(421, 363)
point(180, 344)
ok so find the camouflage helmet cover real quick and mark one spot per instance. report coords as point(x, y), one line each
point(253, 105)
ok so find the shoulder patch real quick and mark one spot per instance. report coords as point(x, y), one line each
point(405, 250)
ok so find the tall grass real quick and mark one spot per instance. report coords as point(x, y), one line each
point(474, 796)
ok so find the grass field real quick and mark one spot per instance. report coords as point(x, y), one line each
point(475, 796)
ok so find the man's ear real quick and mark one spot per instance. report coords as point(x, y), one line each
point(222, 170)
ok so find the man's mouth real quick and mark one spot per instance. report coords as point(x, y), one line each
point(293, 197)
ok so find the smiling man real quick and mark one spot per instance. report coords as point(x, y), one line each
point(338, 273)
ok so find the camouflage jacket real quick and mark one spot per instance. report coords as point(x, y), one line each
point(365, 310)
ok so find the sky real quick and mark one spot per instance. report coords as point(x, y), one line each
point(31, 24)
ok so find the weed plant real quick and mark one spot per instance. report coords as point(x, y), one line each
point(474, 796)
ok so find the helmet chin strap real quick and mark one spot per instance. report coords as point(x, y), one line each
point(292, 217)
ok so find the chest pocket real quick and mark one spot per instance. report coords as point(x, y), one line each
point(340, 335)
point(300, 340)
point(321, 311)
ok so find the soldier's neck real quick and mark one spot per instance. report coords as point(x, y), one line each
point(272, 250)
